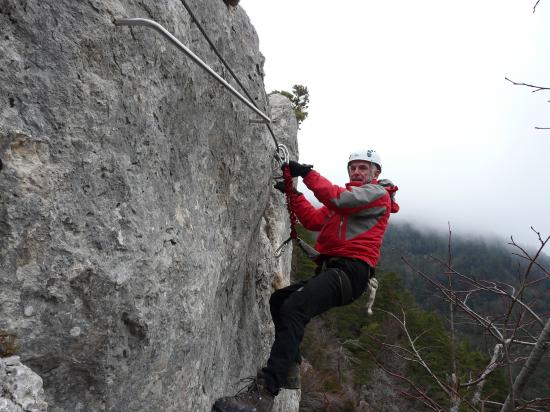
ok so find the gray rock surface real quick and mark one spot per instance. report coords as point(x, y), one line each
point(137, 218)
point(20, 388)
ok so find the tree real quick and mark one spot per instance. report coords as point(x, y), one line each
point(358, 360)
point(532, 86)
point(535, 89)
point(520, 336)
point(300, 101)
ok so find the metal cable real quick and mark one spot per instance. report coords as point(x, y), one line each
point(154, 25)
point(227, 67)
point(283, 158)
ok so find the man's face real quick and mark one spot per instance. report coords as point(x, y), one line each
point(362, 171)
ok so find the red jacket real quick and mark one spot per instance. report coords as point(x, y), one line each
point(353, 219)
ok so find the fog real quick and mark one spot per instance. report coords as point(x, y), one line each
point(424, 84)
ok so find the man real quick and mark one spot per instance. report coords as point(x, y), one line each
point(351, 222)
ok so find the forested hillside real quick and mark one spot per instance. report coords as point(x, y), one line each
point(353, 362)
point(494, 260)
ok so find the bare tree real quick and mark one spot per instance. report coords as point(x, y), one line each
point(535, 89)
point(520, 335)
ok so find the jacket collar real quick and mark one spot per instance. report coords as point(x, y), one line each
point(359, 184)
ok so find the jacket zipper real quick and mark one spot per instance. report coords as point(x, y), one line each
point(340, 228)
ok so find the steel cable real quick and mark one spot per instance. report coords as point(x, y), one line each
point(217, 53)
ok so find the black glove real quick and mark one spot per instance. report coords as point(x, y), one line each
point(298, 169)
point(280, 186)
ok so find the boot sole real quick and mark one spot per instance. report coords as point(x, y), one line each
point(292, 384)
point(217, 408)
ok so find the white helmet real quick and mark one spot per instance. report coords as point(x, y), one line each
point(368, 155)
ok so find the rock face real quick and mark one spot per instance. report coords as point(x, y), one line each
point(137, 217)
point(20, 388)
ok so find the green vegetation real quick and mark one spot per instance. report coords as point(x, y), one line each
point(300, 101)
point(491, 260)
point(484, 259)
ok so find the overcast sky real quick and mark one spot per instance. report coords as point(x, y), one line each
point(423, 83)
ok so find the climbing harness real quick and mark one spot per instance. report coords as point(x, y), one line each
point(307, 249)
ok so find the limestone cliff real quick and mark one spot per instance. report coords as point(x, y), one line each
point(137, 218)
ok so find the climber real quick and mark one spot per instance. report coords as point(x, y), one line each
point(351, 222)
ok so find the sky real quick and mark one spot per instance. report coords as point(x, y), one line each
point(423, 83)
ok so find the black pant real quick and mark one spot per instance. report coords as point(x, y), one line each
point(339, 283)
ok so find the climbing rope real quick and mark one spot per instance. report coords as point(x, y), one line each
point(290, 197)
point(289, 193)
point(289, 189)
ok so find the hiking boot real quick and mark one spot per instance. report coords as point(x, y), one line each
point(293, 380)
point(253, 398)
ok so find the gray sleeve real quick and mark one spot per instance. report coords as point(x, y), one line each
point(386, 182)
point(359, 196)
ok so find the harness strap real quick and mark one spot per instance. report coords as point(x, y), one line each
point(345, 286)
point(371, 288)
point(307, 249)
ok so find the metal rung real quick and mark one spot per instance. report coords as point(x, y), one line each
point(253, 121)
point(154, 25)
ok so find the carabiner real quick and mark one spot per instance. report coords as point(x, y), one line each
point(284, 156)
point(281, 249)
